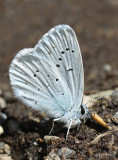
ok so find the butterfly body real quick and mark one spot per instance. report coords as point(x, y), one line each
point(50, 78)
point(75, 116)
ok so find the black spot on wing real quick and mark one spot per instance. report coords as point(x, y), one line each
point(67, 49)
point(70, 69)
point(57, 79)
point(60, 59)
point(62, 52)
point(34, 75)
point(57, 65)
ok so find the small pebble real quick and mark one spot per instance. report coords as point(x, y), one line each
point(115, 118)
point(103, 106)
point(1, 130)
point(2, 103)
point(66, 152)
point(107, 68)
point(90, 151)
point(5, 148)
point(3, 117)
point(50, 138)
point(52, 156)
point(116, 115)
point(5, 157)
point(35, 143)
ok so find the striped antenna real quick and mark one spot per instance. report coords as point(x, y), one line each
point(95, 99)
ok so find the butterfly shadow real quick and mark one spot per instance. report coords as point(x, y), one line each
point(94, 125)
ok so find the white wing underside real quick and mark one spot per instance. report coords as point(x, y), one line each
point(49, 77)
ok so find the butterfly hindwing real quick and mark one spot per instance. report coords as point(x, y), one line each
point(38, 83)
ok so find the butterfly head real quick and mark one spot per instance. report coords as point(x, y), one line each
point(76, 116)
point(84, 112)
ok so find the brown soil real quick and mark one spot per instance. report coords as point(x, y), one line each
point(22, 23)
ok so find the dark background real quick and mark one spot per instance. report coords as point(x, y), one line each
point(23, 22)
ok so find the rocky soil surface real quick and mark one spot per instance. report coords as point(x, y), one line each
point(24, 133)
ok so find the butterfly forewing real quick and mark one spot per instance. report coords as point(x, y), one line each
point(61, 47)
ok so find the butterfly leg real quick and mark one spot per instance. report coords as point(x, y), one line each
point(53, 125)
point(79, 122)
point(51, 128)
point(68, 128)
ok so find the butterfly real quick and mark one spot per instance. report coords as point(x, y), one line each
point(50, 77)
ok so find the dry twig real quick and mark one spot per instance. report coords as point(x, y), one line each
point(102, 135)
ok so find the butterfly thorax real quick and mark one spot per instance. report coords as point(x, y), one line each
point(75, 116)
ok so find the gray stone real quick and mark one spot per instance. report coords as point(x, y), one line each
point(66, 152)
point(116, 115)
point(5, 148)
point(115, 118)
point(107, 68)
point(52, 156)
point(5, 157)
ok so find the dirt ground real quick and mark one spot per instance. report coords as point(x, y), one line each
point(95, 22)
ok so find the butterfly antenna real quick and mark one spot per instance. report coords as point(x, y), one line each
point(95, 99)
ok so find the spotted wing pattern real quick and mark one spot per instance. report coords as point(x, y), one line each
point(49, 77)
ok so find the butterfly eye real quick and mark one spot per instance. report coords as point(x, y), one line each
point(82, 110)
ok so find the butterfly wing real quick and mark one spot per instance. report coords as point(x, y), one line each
point(38, 83)
point(50, 76)
point(60, 46)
